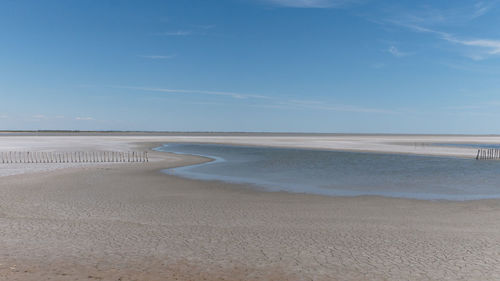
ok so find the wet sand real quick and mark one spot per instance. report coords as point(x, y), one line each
point(131, 222)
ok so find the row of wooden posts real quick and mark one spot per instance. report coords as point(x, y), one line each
point(488, 154)
point(73, 157)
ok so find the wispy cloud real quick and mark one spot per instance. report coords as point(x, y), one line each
point(271, 102)
point(197, 92)
point(482, 47)
point(84, 118)
point(492, 105)
point(175, 33)
point(323, 106)
point(39, 116)
point(320, 105)
point(310, 3)
point(473, 67)
point(456, 15)
point(205, 26)
point(481, 8)
point(393, 50)
point(4, 116)
point(157, 57)
point(433, 21)
point(492, 46)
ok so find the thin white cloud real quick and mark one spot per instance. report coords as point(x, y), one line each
point(473, 67)
point(320, 105)
point(310, 3)
point(271, 102)
point(157, 57)
point(482, 47)
point(182, 91)
point(492, 46)
point(481, 8)
point(39, 116)
point(433, 21)
point(393, 50)
point(175, 33)
point(430, 16)
point(84, 118)
point(4, 116)
point(205, 26)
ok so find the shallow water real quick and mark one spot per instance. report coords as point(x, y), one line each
point(343, 173)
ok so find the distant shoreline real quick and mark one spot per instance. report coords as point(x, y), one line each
point(215, 133)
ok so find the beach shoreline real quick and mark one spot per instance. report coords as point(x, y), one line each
point(133, 222)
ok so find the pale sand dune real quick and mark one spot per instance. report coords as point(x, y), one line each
point(130, 222)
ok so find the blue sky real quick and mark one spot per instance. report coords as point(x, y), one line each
point(251, 65)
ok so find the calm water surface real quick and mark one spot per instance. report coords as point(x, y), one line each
point(343, 173)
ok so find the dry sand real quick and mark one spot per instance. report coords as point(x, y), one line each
point(131, 222)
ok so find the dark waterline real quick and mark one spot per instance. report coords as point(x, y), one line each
point(343, 173)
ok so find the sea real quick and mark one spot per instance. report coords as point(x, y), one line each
point(338, 173)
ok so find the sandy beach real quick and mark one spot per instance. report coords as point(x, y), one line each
point(129, 221)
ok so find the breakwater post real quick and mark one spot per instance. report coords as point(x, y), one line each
point(488, 154)
point(21, 157)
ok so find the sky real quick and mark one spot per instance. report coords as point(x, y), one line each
point(332, 66)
